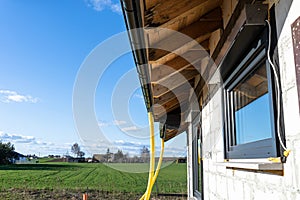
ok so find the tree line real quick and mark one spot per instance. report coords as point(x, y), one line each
point(120, 157)
point(7, 153)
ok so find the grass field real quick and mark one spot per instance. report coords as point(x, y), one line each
point(90, 177)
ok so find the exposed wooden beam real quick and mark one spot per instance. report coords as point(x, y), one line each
point(171, 105)
point(150, 4)
point(176, 62)
point(177, 65)
point(228, 6)
point(197, 32)
point(236, 20)
point(164, 11)
point(162, 87)
point(160, 56)
point(183, 89)
point(180, 96)
point(214, 39)
point(171, 133)
point(209, 13)
point(167, 108)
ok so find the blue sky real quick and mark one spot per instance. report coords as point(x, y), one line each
point(43, 43)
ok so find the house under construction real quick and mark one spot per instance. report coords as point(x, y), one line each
point(226, 74)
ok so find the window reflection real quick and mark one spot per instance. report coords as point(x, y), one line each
point(252, 107)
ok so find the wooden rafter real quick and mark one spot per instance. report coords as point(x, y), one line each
point(210, 13)
point(170, 133)
point(177, 65)
point(167, 10)
point(198, 31)
point(179, 61)
point(162, 87)
point(183, 89)
point(171, 105)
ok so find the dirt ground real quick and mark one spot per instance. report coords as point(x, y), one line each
point(18, 194)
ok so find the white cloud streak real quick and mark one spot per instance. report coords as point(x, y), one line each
point(103, 124)
point(8, 96)
point(30, 145)
point(100, 5)
point(130, 128)
point(114, 123)
point(119, 122)
point(139, 96)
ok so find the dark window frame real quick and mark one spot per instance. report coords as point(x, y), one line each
point(197, 168)
point(261, 148)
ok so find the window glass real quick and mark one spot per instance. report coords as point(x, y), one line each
point(252, 113)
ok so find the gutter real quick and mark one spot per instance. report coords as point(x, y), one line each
point(133, 20)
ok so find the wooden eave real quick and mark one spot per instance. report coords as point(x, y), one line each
point(209, 23)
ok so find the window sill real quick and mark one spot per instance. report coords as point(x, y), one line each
point(253, 164)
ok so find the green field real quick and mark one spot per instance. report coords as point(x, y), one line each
point(90, 177)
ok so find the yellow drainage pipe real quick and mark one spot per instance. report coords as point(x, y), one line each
point(152, 177)
point(152, 155)
point(160, 160)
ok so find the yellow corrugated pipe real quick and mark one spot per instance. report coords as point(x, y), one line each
point(152, 176)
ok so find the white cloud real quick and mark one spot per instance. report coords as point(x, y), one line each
point(103, 124)
point(119, 122)
point(130, 128)
point(14, 138)
point(30, 145)
point(100, 5)
point(139, 96)
point(8, 96)
point(114, 123)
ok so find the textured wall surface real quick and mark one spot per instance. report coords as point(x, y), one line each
point(223, 183)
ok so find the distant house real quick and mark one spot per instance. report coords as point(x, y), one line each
point(74, 160)
point(108, 157)
point(21, 159)
point(18, 158)
point(99, 157)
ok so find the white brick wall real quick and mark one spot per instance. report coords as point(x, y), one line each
point(222, 183)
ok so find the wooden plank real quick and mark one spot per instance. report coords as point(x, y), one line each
point(179, 45)
point(177, 65)
point(150, 4)
point(237, 19)
point(171, 133)
point(179, 97)
point(183, 89)
point(232, 28)
point(165, 10)
point(227, 12)
point(210, 12)
point(179, 60)
point(214, 39)
point(172, 82)
point(169, 107)
point(198, 31)
point(228, 7)
point(161, 57)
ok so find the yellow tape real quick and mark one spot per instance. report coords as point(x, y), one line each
point(286, 153)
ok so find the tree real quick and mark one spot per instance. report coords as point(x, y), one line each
point(75, 149)
point(108, 155)
point(7, 153)
point(80, 154)
point(145, 154)
point(119, 156)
